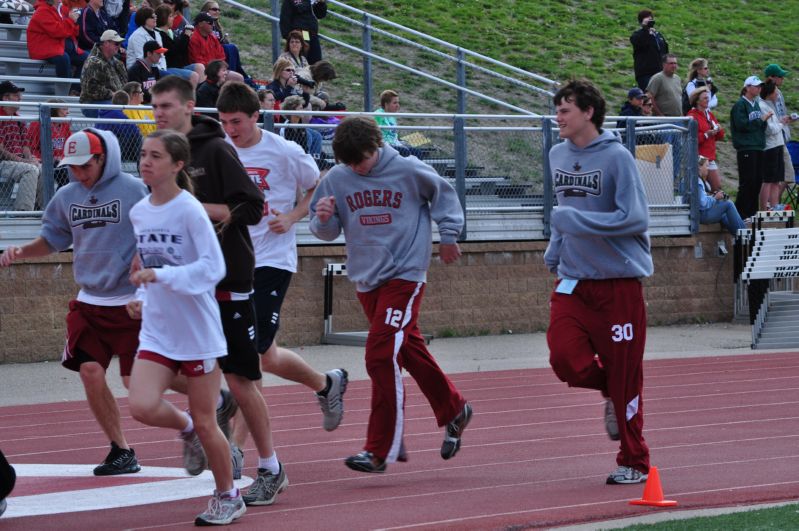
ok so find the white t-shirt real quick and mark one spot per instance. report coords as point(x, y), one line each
point(180, 315)
point(279, 168)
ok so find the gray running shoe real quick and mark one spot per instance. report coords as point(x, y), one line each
point(194, 459)
point(611, 423)
point(625, 475)
point(266, 487)
point(237, 457)
point(118, 461)
point(222, 510)
point(454, 432)
point(226, 412)
point(332, 403)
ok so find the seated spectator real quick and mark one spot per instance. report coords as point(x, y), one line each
point(103, 73)
point(119, 13)
point(646, 106)
point(231, 50)
point(208, 91)
point(93, 22)
point(59, 132)
point(132, 25)
point(145, 69)
point(128, 134)
point(146, 32)
point(268, 102)
point(180, 21)
point(389, 103)
point(284, 82)
point(714, 207)
point(136, 94)
point(333, 121)
point(52, 38)
point(17, 163)
point(177, 46)
point(631, 107)
point(309, 139)
point(204, 47)
point(295, 51)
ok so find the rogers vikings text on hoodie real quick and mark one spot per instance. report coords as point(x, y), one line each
point(386, 217)
point(599, 229)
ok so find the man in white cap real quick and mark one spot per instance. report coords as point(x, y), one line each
point(91, 214)
point(103, 74)
point(748, 128)
point(17, 164)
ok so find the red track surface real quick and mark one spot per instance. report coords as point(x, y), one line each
point(722, 431)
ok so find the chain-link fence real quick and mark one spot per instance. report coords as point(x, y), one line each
point(498, 164)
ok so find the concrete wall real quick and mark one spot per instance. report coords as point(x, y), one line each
point(497, 287)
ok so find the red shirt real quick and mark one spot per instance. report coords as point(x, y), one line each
point(203, 50)
point(60, 132)
point(47, 31)
point(13, 136)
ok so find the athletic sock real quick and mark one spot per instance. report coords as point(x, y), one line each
point(232, 493)
point(190, 426)
point(269, 463)
point(219, 400)
point(328, 383)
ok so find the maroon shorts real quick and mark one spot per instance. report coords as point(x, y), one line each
point(191, 368)
point(97, 333)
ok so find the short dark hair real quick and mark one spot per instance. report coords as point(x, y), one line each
point(584, 95)
point(297, 34)
point(767, 88)
point(142, 14)
point(120, 97)
point(322, 71)
point(162, 14)
point(181, 86)
point(643, 14)
point(238, 97)
point(666, 57)
point(213, 69)
point(356, 136)
point(262, 94)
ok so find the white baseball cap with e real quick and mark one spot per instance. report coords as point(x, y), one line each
point(80, 148)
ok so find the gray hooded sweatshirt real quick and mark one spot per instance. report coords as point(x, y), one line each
point(599, 229)
point(95, 222)
point(386, 217)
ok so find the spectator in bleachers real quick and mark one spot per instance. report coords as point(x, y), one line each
point(146, 32)
point(204, 47)
point(333, 121)
point(284, 82)
point(649, 47)
point(208, 91)
point(390, 103)
point(128, 134)
point(665, 89)
point(179, 23)
point(309, 139)
point(119, 12)
point(177, 55)
point(17, 163)
point(59, 132)
point(748, 129)
point(93, 22)
point(776, 73)
point(145, 69)
point(136, 95)
point(709, 131)
point(633, 105)
point(714, 207)
point(699, 76)
point(231, 50)
point(51, 38)
point(267, 99)
point(295, 51)
point(303, 15)
point(646, 106)
point(132, 24)
point(103, 73)
point(773, 160)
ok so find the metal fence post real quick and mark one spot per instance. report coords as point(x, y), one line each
point(367, 62)
point(269, 122)
point(46, 149)
point(276, 36)
point(629, 131)
point(692, 174)
point(460, 168)
point(549, 196)
point(460, 75)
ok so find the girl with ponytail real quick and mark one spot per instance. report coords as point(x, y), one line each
point(180, 264)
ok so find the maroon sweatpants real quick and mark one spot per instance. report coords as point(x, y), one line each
point(606, 318)
point(395, 343)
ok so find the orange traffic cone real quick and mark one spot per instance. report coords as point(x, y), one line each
point(653, 492)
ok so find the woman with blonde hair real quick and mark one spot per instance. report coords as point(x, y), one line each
point(284, 80)
point(699, 76)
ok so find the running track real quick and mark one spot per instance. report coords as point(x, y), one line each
point(722, 431)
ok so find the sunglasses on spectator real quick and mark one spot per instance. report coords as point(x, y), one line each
point(213, 9)
point(288, 70)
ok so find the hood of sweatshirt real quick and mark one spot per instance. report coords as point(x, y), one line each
point(596, 145)
point(204, 128)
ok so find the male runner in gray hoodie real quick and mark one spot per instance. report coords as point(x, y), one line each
point(599, 248)
point(385, 203)
point(91, 214)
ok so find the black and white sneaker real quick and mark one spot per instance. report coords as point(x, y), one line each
point(611, 422)
point(332, 402)
point(365, 462)
point(625, 475)
point(454, 431)
point(118, 461)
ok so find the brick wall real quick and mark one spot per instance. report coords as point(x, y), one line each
point(495, 288)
